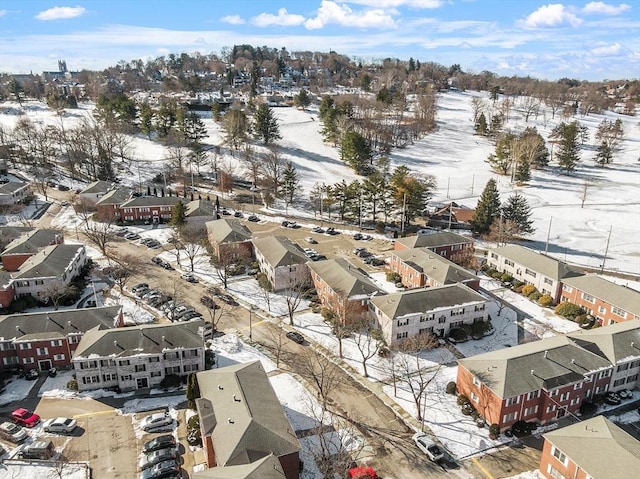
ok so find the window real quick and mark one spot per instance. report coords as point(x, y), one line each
point(474, 397)
point(602, 309)
point(56, 343)
point(632, 378)
point(553, 472)
point(58, 357)
point(126, 377)
point(588, 297)
point(402, 335)
point(510, 417)
point(140, 368)
point(10, 360)
point(190, 353)
point(110, 377)
point(155, 374)
point(508, 262)
point(479, 307)
point(476, 381)
point(533, 395)
point(622, 367)
point(402, 323)
point(171, 355)
point(106, 362)
point(494, 256)
point(442, 319)
point(172, 370)
point(190, 367)
point(564, 397)
point(154, 359)
point(531, 410)
point(27, 360)
point(24, 346)
point(577, 386)
point(605, 374)
point(530, 273)
point(550, 408)
point(567, 288)
point(548, 281)
point(42, 351)
point(512, 401)
point(457, 312)
point(90, 379)
point(124, 362)
point(559, 455)
point(574, 401)
point(618, 312)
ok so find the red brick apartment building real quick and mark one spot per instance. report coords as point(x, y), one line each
point(449, 245)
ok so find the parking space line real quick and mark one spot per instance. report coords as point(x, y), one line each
point(482, 468)
point(96, 413)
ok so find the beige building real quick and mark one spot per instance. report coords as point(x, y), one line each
point(282, 261)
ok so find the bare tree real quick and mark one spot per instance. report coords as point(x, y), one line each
point(323, 373)
point(276, 340)
point(367, 338)
point(123, 268)
point(296, 292)
point(272, 169)
point(100, 234)
point(194, 240)
point(478, 105)
point(502, 231)
point(585, 191)
point(54, 292)
point(410, 371)
point(530, 107)
point(230, 260)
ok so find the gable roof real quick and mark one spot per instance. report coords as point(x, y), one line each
point(243, 415)
point(115, 197)
point(12, 187)
point(543, 264)
point(624, 298)
point(545, 364)
point(435, 239)
point(344, 278)
point(49, 261)
point(146, 338)
point(96, 187)
point(422, 300)
point(61, 322)
point(200, 208)
point(10, 233)
point(280, 251)
point(33, 241)
point(146, 201)
point(268, 467)
point(228, 231)
point(435, 266)
point(599, 447)
point(615, 342)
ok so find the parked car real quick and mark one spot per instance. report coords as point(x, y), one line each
point(377, 262)
point(166, 265)
point(225, 212)
point(310, 240)
point(157, 260)
point(157, 420)
point(238, 214)
point(140, 292)
point(132, 236)
point(317, 229)
point(160, 442)
point(227, 298)
point(180, 315)
point(253, 218)
point(25, 417)
point(190, 315)
point(357, 236)
point(209, 302)
point(158, 456)
point(428, 446)
point(317, 257)
point(139, 286)
point(12, 432)
point(37, 450)
point(164, 470)
point(60, 425)
point(31, 374)
point(296, 337)
point(154, 245)
point(612, 398)
point(189, 276)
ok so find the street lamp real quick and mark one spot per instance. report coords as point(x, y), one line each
point(251, 309)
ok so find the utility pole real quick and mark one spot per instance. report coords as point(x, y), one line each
point(448, 183)
point(546, 246)
point(606, 250)
point(404, 205)
point(473, 180)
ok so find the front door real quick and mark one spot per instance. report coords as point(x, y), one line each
point(143, 383)
point(44, 365)
point(561, 412)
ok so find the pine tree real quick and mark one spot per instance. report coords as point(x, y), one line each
point(235, 126)
point(487, 210)
point(518, 211)
point(146, 119)
point(502, 159)
point(290, 183)
point(604, 154)
point(193, 391)
point(481, 125)
point(178, 214)
point(568, 136)
point(523, 172)
point(265, 125)
point(355, 152)
point(302, 99)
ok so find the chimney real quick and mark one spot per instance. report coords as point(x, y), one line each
point(545, 354)
point(115, 343)
point(235, 399)
point(230, 421)
point(220, 388)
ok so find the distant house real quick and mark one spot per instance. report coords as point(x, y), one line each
point(451, 246)
point(433, 311)
point(282, 261)
point(13, 193)
point(155, 209)
point(545, 380)
point(52, 267)
point(547, 274)
point(10, 233)
point(108, 205)
point(28, 244)
point(48, 339)
point(96, 190)
point(229, 237)
point(592, 449)
point(342, 287)
point(245, 433)
point(452, 216)
point(420, 267)
point(200, 211)
point(606, 301)
point(137, 357)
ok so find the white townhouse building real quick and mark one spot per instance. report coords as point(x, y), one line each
point(282, 261)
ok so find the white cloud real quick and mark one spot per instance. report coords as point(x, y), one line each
point(607, 50)
point(57, 13)
point(552, 15)
point(399, 3)
point(283, 19)
point(332, 13)
point(595, 8)
point(3, 12)
point(233, 19)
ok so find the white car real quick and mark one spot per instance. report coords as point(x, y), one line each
point(155, 421)
point(60, 425)
point(428, 446)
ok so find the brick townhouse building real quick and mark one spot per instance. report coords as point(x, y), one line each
point(282, 261)
point(26, 245)
point(48, 339)
point(451, 246)
point(229, 238)
point(545, 380)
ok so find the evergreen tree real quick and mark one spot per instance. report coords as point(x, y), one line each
point(604, 154)
point(487, 210)
point(290, 183)
point(497, 122)
point(216, 111)
point(265, 125)
point(356, 152)
point(568, 136)
point(481, 125)
point(236, 126)
point(302, 99)
point(146, 119)
point(178, 214)
point(533, 149)
point(494, 94)
point(165, 119)
point(502, 159)
point(410, 191)
point(193, 391)
point(517, 210)
point(523, 171)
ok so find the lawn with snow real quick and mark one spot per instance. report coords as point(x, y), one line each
point(16, 389)
point(29, 470)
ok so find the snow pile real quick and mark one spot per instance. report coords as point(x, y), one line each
point(16, 389)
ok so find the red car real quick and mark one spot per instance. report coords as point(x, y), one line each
point(25, 417)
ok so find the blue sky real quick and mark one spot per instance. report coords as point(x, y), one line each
point(591, 40)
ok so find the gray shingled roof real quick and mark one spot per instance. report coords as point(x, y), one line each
point(435, 239)
point(63, 322)
point(615, 342)
point(612, 293)
point(228, 231)
point(435, 266)
point(147, 338)
point(10, 233)
point(420, 300)
point(99, 186)
point(33, 241)
point(543, 264)
point(545, 364)
point(268, 467)
point(344, 278)
point(115, 197)
point(200, 208)
point(138, 201)
point(50, 261)
point(245, 417)
point(11, 187)
point(280, 251)
point(599, 447)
